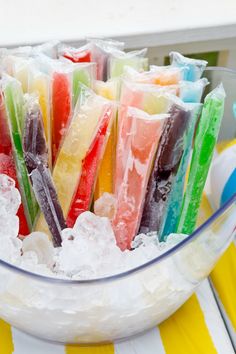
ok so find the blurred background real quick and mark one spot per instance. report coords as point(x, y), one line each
point(197, 28)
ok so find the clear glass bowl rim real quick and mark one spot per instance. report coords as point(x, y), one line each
point(144, 266)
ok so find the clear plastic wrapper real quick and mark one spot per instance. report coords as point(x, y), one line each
point(83, 73)
point(193, 67)
point(7, 165)
point(62, 81)
point(191, 92)
point(76, 55)
point(153, 99)
point(167, 161)
point(36, 159)
point(158, 75)
point(173, 210)
point(204, 144)
point(80, 135)
point(119, 60)
point(40, 84)
point(109, 90)
point(96, 50)
point(101, 51)
point(82, 198)
point(142, 137)
point(14, 106)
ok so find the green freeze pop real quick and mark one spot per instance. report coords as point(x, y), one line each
point(14, 104)
point(119, 60)
point(204, 144)
point(85, 76)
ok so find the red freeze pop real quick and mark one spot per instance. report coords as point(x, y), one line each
point(83, 196)
point(83, 56)
point(7, 165)
point(61, 105)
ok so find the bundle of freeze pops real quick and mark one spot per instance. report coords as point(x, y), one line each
point(92, 129)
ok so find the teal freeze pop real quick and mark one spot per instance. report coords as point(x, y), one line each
point(205, 141)
point(174, 205)
point(15, 112)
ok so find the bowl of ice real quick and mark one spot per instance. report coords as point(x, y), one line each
point(98, 220)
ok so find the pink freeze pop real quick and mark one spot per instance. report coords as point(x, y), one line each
point(143, 135)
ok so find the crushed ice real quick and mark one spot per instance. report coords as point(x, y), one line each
point(88, 250)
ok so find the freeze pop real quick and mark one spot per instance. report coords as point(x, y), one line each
point(109, 90)
point(170, 221)
point(36, 159)
point(169, 154)
point(143, 136)
point(76, 55)
point(77, 142)
point(205, 141)
point(193, 67)
point(61, 108)
point(7, 165)
point(39, 83)
point(158, 75)
point(101, 51)
point(82, 74)
point(153, 99)
point(119, 60)
point(14, 106)
point(83, 195)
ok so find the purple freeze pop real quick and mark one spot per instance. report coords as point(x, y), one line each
point(168, 157)
point(36, 159)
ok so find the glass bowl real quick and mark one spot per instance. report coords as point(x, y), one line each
point(120, 306)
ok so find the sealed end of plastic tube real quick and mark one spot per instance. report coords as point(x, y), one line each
point(193, 67)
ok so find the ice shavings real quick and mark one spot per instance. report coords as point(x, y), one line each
point(88, 249)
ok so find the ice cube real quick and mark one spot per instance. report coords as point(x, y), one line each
point(39, 243)
point(10, 199)
point(105, 206)
point(92, 226)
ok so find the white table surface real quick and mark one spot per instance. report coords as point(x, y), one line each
point(139, 23)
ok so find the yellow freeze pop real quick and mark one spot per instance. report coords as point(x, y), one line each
point(109, 90)
point(67, 170)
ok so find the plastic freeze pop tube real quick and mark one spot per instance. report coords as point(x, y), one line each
point(168, 157)
point(83, 73)
point(82, 130)
point(76, 55)
point(83, 196)
point(204, 144)
point(195, 67)
point(39, 83)
point(36, 159)
point(143, 136)
point(153, 99)
point(96, 50)
point(158, 75)
point(158, 103)
point(7, 165)
point(61, 108)
point(170, 221)
point(119, 60)
point(105, 177)
point(101, 51)
point(14, 106)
